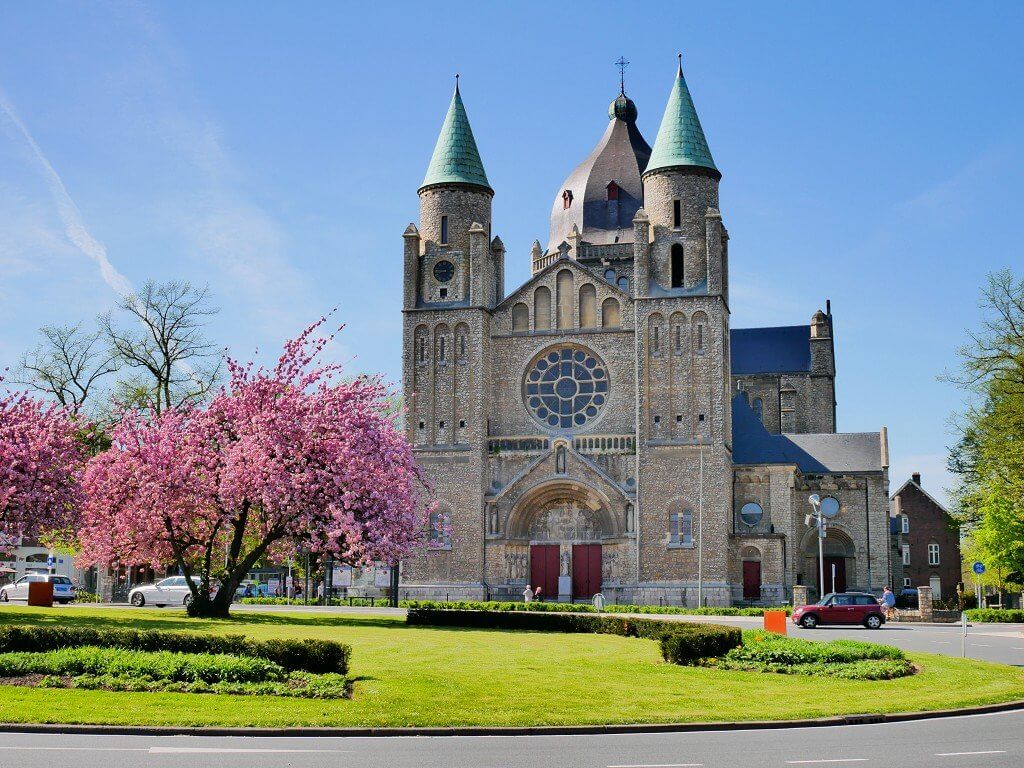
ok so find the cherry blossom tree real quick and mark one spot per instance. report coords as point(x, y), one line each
point(280, 457)
point(40, 463)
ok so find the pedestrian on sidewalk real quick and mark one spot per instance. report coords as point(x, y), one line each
point(527, 594)
point(888, 603)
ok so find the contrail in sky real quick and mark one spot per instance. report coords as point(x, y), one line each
point(74, 225)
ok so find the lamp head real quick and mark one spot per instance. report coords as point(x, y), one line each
point(815, 500)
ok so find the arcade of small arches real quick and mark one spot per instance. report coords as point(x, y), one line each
point(567, 301)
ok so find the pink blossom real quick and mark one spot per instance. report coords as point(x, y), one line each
point(286, 456)
point(40, 463)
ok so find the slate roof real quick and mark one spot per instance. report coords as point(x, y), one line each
point(456, 160)
point(620, 156)
point(680, 140)
point(785, 349)
point(811, 453)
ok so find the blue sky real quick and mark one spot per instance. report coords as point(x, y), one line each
point(871, 155)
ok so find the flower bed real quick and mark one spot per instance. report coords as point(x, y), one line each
point(849, 659)
point(135, 660)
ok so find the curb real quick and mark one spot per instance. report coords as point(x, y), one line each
point(543, 730)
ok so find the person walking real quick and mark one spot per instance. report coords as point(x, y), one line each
point(527, 594)
point(888, 603)
point(536, 594)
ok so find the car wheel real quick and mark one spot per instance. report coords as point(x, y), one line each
point(810, 621)
point(138, 600)
point(187, 601)
point(3, 596)
point(874, 621)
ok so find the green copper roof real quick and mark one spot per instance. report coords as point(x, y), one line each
point(456, 159)
point(680, 140)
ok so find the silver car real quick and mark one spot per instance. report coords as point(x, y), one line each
point(63, 589)
point(170, 591)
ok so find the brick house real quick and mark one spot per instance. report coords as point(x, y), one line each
point(929, 540)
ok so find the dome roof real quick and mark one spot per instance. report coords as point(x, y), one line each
point(622, 108)
point(604, 192)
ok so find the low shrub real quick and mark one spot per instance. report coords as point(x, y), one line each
point(308, 655)
point(298, 684)
point(846, 659)
point(695, 641)
point(87, 597)
point(996, 615)
point(541, 607)
point(363, 602)
point(156, 665)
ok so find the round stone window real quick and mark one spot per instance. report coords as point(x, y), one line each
point(751, 513)
point(566, 387)
point(830, 506)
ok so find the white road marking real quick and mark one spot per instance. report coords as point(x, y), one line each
point(76, 749)
point(981, 645)
point(659, 765)
point(834, 760)
point(960, 754)
point(228, 750)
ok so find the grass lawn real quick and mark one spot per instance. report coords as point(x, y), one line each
point(421, 676)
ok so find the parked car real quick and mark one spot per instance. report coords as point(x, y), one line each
point(841, 608)
point(170, 591)
point(63, 589)
point(907, 598)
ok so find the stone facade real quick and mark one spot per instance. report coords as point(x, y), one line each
point(579, 432)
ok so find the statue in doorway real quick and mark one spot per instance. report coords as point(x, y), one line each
point(564, 570)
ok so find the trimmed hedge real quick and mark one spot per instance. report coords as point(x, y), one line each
point(996, 615)
point(307, 655)
point(680, 643)
point(540, 607)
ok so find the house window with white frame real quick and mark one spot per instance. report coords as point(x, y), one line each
point(933, 554)
point(905, 524)
point(906, 554)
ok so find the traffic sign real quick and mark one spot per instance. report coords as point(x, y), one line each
point(51, 561)
point(978, 568)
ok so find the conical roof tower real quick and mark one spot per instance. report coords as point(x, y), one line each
point(680, 142)
point(456, 160)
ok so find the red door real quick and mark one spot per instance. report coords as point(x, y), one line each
point(751, 580)
point(840, 564)
point(586, 570)
point(544, 570)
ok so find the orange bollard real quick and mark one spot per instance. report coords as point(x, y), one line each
point(775, 621)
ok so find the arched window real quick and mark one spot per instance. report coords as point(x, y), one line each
point(610, 317)
point(588, 306)
point(520, 318)
point(560, 458)
point(933, 553)
point(440, 533)
point(623, 283)
point(609, 275)
point(758, 406)
point(461, 332)
point(565, 298)
point(542, 309)
point(678, 264)
point(680, 528)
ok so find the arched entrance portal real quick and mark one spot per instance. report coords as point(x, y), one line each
point(570, 536)
point(839, 558)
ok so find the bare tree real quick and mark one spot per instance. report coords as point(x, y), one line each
point(67, 365)
point(165, 345)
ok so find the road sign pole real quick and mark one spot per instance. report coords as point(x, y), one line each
point(963, 634)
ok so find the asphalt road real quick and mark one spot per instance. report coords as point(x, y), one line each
point(986, 741)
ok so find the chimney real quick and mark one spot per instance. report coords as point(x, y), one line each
point(916, 477)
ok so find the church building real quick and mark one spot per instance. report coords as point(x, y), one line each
point(602, 427)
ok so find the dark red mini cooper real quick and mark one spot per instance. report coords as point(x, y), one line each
point(841, 608)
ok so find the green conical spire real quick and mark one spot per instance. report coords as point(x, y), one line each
point(680, 140)
point(456, 159)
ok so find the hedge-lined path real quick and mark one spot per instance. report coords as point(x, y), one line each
point(433, 676)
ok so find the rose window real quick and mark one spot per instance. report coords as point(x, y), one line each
point(566, 387)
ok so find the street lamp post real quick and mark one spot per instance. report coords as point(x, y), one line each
point(817, 520)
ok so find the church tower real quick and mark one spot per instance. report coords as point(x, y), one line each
point(684, 425)
point(454, 274)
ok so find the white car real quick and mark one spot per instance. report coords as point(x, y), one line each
point(63, 589)
point(170, 591)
